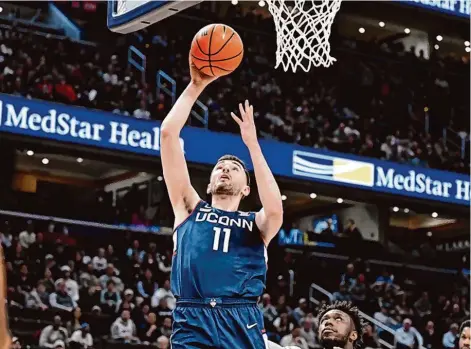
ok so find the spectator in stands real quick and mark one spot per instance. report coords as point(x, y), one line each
point(404, 310)
point(294, 339)
point(407, 337)
point(464, 341)
point(163, 343)
point(147, 286)
point(383, 317)
point(88, 278)
point(110, 275)
point(282, 306)
point(38, 298)
point(166, 328)
point(449, 338)
point(268, 310)
point(99, 262)
point(110, 299)
point(307, 331)
point(161, 293)
point(27, 237)
point(370, 338)
point(358, 291)
point(24, 282)
point(61, 299)
point(350, 276)
point(150, 332)
point(53, 333)
point(128, 299)
point(142, 112)
point(431, 337)
point(6, 239)
point(163, 309)
point(301, 311)
point(422, 305)
point(351, 230)
point(124, 329)
point(81, 338)
point(70, 284)
point(135, 249)
point(457, 315)
point(48, 280)
point(76, 322)
point(342, 294)
point(283, 325)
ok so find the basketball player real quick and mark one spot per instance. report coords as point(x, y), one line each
point(465, 335)
point(340, 326)
point(219, 260)
point(5, 339)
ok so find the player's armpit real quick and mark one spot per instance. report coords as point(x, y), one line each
point(5, 339)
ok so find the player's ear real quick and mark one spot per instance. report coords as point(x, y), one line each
point(353, 336)
point(246, 191)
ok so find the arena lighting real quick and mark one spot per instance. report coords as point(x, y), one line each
point(1, 8)
point(79, 160)
point(234, 2)
point(425, 109)
point(45, 161)
point(436, 47)
point(381, 24)
point(396, 209)
point(407, 30)
point(160, 178)
point(361, 30)
point(439, 38)
point(339, 200)
point(313, 195)
point(434, 214)
point(429, 233)
point(283, 197)
point(467, 49)
point(261, 3)
point(30, 153)
point(466, 43)
point(406, 210)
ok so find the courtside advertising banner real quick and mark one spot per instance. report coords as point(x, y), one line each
point(78, 125)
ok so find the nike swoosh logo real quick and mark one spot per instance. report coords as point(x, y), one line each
point(251, 326)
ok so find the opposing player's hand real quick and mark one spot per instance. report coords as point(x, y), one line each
point(246, 123)
point(199, 78)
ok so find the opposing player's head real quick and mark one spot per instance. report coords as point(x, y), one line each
point(340, 325)
point(229, 177)
point(465, 335)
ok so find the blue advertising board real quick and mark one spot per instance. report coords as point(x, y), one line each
point(111, 131)
point(460, 8)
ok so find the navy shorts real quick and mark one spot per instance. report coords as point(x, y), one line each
point(222, 323)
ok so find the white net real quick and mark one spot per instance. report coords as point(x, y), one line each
point(303, 31)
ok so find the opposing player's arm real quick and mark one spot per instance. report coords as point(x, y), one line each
point(5, 339)
point(183, 196)
point(270, 217)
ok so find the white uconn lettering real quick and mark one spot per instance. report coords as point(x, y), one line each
point(213, 217)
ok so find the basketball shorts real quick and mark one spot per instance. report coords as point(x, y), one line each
point(218, 323)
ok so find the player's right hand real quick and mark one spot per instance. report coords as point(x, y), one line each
point(199, 78)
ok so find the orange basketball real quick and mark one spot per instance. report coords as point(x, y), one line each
point(217, 50)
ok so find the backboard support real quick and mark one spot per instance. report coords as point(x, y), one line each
point(127, 16)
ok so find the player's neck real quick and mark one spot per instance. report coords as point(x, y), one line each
point(225, 202)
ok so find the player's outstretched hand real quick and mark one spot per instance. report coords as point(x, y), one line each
point(199, 78)
point(246, 123)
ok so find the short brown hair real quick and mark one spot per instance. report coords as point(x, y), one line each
point(239, 161)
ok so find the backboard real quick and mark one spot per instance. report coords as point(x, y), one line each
point(127, 16)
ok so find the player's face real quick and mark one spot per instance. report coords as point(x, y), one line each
point(465, 338)
point(228, 178)
point(336, 329)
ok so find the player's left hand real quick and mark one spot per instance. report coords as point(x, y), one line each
point(246, 123)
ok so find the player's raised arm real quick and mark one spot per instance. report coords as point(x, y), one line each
point(5, 339)
point(270, 217)
point(183, 196)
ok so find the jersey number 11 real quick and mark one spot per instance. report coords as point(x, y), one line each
point(217, 235)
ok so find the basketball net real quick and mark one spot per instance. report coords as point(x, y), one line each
point(303, 31)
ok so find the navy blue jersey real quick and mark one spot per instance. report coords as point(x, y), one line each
point(218, 254)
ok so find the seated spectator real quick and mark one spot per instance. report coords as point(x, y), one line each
point(358, 290)
point(70, 284)
point(294, 339)
point(423, 306)
point(88, 278)
point(457, 315)
point(99, 262)
point(404, 310)
point(351, 231)
point(76, 322)
point(53, 333)
point(164, 292)
point(135, 249)
point(110, 299)
point(268, 310)
point(61, 299)
point(124, 329)
point(283, 325)
point(370, 338)
point(38, 298)
point(150, 332)
point(449, 338)
point(147, 286)
point(48, 281)
point(27, 237)
point(350, 276)
point(110, 275)
point(128, 299)
point(81, 338)
point(431, 338)
point(407, 337)
point(342, 294)
point(301, 311)
point(307, 332)
point(282, 307)
point(163, 342)
point(166, 328)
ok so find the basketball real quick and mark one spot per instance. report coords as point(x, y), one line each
point(217, 50)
